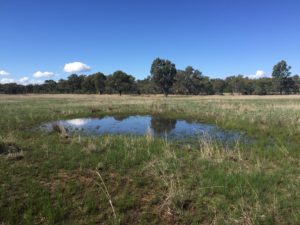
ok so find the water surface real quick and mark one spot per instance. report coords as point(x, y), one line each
point(155, 126)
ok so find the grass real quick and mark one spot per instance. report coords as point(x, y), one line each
point(50, 179)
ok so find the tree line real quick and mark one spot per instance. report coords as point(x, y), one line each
point(165, 79)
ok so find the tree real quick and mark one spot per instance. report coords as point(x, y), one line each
point(233, 83)
point(99, 82)
point(163, 73)
point(119, 82)
point(189, 81)
point(289, 85)
point(63, 86)
point(13, 88)
point(50, 86)
point(248, 86)
point(88, 85)
point(281, 73)
point(94, 83)
point(240, 84)
point(263, 86)
point(206, 86)
point(165, 79)
point(218, 85)
point(74, 82)
point(296, 87)
point(147, 86)
point(180, 84)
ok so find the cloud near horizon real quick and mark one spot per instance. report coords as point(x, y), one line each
point(259, 74)
point(7, 80)
point(4, 73)
point(76, 67)
point(40, 74)
point(23, 81)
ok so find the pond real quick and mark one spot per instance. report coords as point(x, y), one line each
point(151, 125)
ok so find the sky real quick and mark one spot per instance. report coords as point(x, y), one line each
point(51, 39)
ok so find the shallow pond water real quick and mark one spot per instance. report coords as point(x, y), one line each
point(155, 126)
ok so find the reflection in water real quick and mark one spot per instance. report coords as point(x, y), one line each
point(144, 125)
point(120, 118)
point(78, 122)
point(162, 125)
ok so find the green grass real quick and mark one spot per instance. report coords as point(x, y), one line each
point(150, 181)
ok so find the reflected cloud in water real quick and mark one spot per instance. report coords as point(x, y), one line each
point(77, 122)
point(155, 126)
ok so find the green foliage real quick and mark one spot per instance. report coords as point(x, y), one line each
point(50, 86)
point(263, 86)
point(190, 82)
point(119, 82)
point(99, 82)
point(239, 84)
point(94, 83)
point(147, 86)
point(163, 74)
point(165, 79)
point(88, 85)
point(281, 77)
point(218, 85)
point(296, 86)
point(75, 82)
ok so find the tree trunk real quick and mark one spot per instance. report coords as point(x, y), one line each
point(165, 92)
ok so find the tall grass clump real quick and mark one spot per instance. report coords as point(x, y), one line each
point(150, 180)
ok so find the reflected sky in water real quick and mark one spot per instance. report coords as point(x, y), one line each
point(144, 125)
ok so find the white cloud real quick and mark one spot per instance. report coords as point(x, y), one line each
point(23, 80)
point(76, 67)
point(4, 73)
point(7, 80)
point(40, 74)
point(259, 74)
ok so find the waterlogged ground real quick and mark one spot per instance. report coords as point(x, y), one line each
point(141, 125)
point(50, 178)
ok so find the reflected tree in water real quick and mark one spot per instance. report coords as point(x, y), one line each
point(120, 117)
point(162, 125)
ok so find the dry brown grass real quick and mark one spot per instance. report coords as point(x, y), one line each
point(239, 185)
point(158, 96)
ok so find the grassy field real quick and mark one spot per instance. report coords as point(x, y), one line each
point(49, 179)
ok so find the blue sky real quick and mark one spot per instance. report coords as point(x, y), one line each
point(219, 37)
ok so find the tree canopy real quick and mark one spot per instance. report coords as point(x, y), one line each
point(119, 82)
point(163, 73)
point(165, 79)
point(281, 74)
